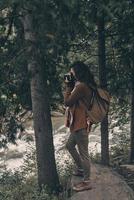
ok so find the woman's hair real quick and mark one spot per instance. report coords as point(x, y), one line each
point(83, 74)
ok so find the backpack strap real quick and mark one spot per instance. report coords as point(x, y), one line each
point(89, 106)
point(95, 94)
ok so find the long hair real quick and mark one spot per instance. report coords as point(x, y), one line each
point(83, 74)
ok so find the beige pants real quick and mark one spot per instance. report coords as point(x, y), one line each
point(80, 156)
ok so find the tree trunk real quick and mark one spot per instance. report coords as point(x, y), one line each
point(103, 83)
point(47, 173)
point(132, 117)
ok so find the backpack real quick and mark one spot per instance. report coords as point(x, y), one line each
point(99, 105)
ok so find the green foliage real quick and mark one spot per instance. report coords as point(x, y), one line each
point(15, 186)
point(96, 158)
point(119, 112)
point(30, 166)
point(23, 184)
point(119, 152)
point(55, 26)
point(66, 31)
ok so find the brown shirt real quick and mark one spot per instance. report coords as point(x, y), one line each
point(73, 99)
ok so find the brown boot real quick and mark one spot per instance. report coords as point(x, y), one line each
point(84, 185)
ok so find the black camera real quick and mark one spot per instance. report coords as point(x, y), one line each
point(69, 77)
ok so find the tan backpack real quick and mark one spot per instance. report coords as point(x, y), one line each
point(99, 105)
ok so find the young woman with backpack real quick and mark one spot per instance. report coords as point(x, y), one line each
point(78, 93)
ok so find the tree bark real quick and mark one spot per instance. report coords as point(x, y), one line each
point(132, 117)
point(47, 173)
point(103, 83)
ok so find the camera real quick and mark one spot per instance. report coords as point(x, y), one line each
point(69, 77)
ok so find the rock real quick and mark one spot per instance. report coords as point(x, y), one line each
point(13, 154)
point(128, 172)
point(129, 167)
point(56, 114)
point(94, 138)
point(107, 185)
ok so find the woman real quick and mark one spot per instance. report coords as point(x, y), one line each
point(75, 98)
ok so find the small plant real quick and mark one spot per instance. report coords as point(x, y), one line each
point(29, 166)
point(23, 184)
point(14, 186)
point(119, 152)
point(96, 158)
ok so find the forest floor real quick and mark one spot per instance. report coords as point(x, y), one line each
point(106, 185)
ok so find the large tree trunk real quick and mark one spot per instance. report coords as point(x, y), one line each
point(103, 83)
point(132, 117)
point(47, 173)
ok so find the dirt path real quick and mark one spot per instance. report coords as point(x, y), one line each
point(107, 185)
